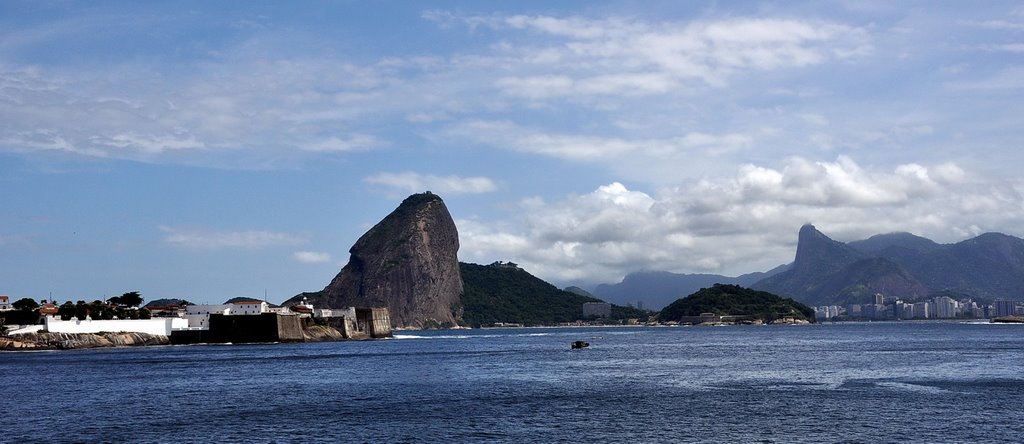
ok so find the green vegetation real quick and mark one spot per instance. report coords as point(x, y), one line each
point(241, 299)
point(130, 299)
point(166, 302)
point(734, 300)
point(506, 293)
point(99, 310)
point(25, 304)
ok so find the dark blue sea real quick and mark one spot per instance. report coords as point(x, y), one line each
point(871, 382)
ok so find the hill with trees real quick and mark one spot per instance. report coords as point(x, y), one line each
point(733, 300)
point(504, 293)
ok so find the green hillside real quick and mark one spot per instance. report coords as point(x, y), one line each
point(736, 301)
point(503, 292)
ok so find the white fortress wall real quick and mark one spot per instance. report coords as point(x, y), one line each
point(155, 326)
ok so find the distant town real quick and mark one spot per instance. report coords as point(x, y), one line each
point(940, 307)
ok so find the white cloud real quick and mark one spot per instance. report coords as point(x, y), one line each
point(587, 148)
point(1005, 47)
point(1005, 80)
point(744, 223)
point(355, 142)
point(238, 105)
point(311, 257)
point(630, 57)
point(215, 240)
point(411, 182)
point(1002, 25)
point(151, 144)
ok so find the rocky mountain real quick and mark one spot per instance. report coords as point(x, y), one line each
point(990, 266)
point(656, 289)
point(825, 271)
point(894, 243)
point(408, 262)
point(899, 265)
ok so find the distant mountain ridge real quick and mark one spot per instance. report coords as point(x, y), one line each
point(504, 293)
point(657, 289)
point(825, 271)
point(900, 265)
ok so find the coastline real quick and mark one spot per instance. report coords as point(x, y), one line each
point(43, 341)
point(74, 341)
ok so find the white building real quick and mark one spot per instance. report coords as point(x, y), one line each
point(903, 310)
point(349, 313)
point(5, 304)
point(944, 307)
point(922, 310)
point(155, 326)
point(821, 313)
point(198, 316)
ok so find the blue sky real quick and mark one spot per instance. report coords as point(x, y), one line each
point(208, 150)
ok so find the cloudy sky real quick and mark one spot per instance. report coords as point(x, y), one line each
point(208, 150)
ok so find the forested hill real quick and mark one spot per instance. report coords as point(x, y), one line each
point(503, 292)
point(734, 300)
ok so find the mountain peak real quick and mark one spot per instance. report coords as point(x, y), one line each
point(815, 250)
point(809, 230)
point(408, 263)
point(901, 265)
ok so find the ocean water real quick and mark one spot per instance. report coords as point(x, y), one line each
point(875, 382)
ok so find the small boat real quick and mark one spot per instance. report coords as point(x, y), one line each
point(580, 344)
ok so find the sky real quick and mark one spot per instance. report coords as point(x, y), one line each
point(208, 150)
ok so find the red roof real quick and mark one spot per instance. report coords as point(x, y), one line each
point(3, 299)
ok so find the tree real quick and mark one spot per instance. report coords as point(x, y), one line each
point(25, 304)
point(66, 311)
point(130, 299)
point(81, 310)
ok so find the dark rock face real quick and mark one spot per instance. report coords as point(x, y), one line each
point(408, 263)
point(819, 260)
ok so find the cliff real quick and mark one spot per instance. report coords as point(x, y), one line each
point(68, 341)
point(829, 272)
point(408, 263)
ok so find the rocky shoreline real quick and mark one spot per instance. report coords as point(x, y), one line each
point(74, 341)
point(71, 341)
